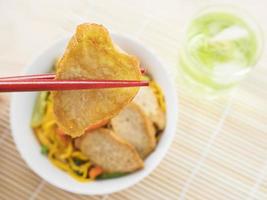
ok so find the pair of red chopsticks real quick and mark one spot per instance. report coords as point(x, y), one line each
point(46, 82)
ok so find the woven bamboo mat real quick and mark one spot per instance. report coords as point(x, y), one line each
point(220, 149)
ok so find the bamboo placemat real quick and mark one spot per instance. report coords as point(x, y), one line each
point(220, 149)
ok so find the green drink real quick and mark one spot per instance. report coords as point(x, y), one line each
point(219, 50)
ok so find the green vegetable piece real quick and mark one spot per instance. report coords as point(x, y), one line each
point(44, 150)
point(78, 173)
point(39, 109)
point(110, 175)
point(79, 162)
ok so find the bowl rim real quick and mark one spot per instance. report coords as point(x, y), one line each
point(128, 184)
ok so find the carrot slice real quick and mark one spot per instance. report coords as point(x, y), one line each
point(95, 171)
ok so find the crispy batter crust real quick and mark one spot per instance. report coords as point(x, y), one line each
point(91, 54)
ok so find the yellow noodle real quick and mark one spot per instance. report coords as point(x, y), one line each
point(52, 151)
point(59, 164)
point(60, 153)
point(74, 166)
point(85, 167)
point(158, 92)
point(78, 178)
point(79, 154)
point(68, 152)
point(43, 140)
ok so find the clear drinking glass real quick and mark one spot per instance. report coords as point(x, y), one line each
point(221, 45)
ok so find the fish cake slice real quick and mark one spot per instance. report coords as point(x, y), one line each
point(147, 100)
point(91, 54)
point(132, 125)
point(106, 149)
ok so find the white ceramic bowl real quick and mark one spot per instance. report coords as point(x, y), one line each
point(29, 148)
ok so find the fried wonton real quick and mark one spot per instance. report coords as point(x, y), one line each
point(91, 54)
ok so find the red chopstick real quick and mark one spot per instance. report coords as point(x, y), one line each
point(51, 85)
point(37, 76)
point(28, 77)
